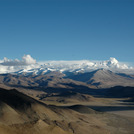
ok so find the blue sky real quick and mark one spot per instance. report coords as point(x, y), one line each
point(67, 29)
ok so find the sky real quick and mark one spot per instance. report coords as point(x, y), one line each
point(67, 29)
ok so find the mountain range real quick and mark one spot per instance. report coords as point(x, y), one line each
point(28, 66)
point(100, 78)
point(66, 98)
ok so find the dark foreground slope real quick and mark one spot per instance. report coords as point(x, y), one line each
point(21, 114)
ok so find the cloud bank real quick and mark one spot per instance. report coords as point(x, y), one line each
point(26, 60)
point(28, 65)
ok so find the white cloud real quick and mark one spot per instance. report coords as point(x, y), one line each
point(26, 60)
point(27, 65)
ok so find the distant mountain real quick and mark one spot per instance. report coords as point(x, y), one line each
point(52, 81)
point(103, 78)
point(100, 78)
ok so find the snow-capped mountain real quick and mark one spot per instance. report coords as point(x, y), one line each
point(28, 66)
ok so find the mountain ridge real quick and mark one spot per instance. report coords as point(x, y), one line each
point(102, 78)
point(37, 68)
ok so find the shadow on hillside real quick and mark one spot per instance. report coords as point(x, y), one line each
point(114, 92)
point(106, 108)
point(111, 108)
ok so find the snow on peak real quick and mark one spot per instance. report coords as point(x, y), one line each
point(113, 61)
point(28, 65)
